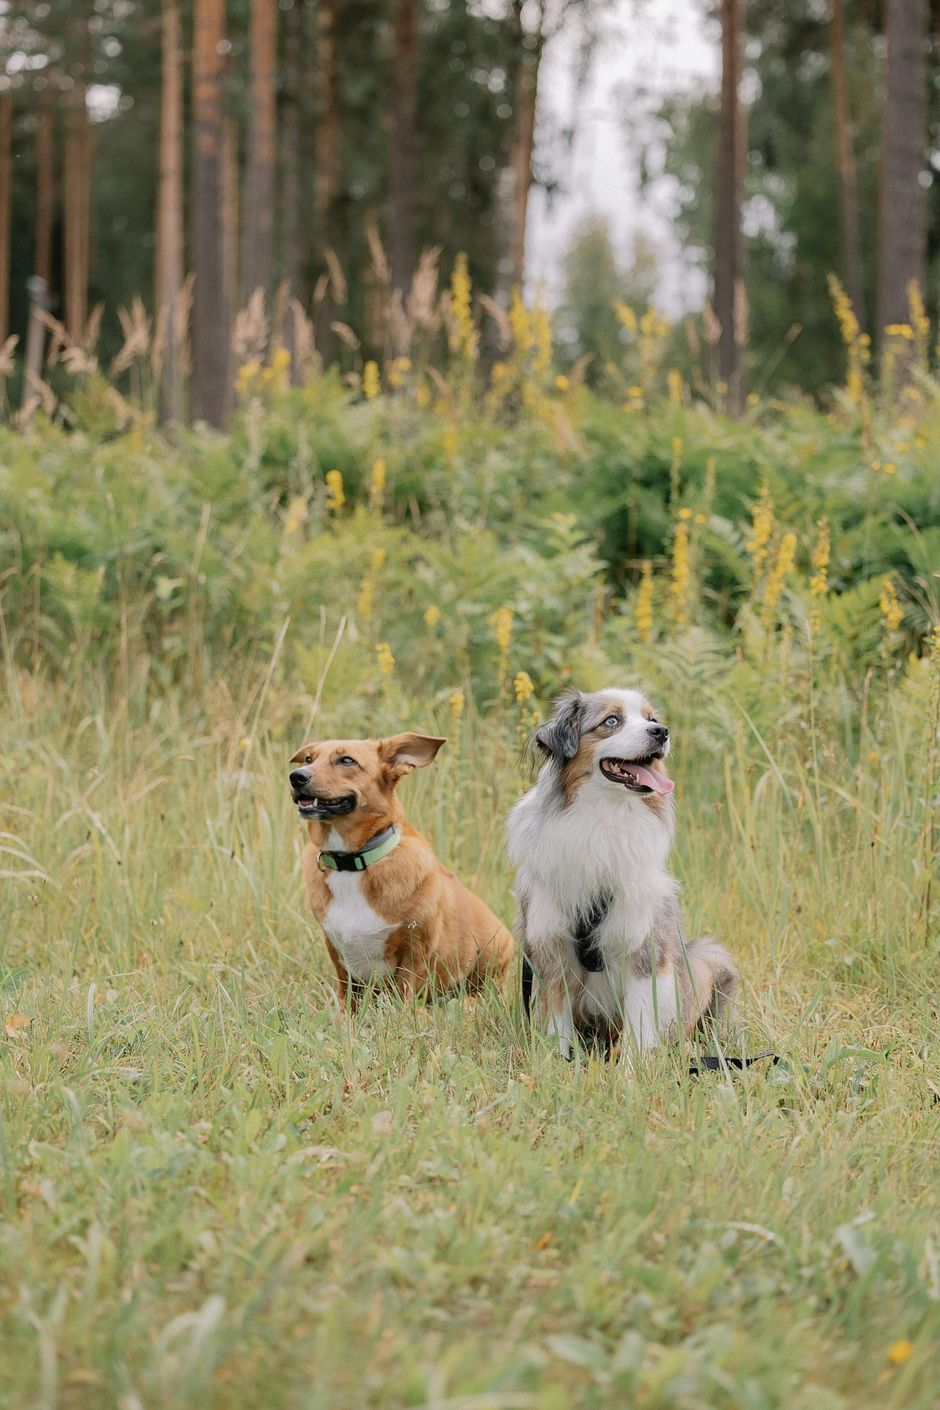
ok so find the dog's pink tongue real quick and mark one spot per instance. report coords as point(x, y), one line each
point(652, 778)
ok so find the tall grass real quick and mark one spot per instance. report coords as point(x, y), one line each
point(214, 1189)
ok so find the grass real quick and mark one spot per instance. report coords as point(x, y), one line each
point(217, 1192)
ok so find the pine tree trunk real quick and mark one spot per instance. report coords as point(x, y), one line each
point(328, 149)
point(211, 330)
point(45, 194)
point(76, 211)
point(848, 182)
point(295, 55)
point(404, 142)
point(523, 147)
point(6, 179)
point(729, 257)
point(258, 243)
point(903, 233)
point(170, 209)
point(230, 204)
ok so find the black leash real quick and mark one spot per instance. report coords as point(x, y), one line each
point(708, 1063)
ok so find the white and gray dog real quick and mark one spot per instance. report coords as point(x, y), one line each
point(599, 919)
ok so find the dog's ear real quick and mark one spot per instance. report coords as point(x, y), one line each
point(560, 738)
point(403, 752)
point(301, 756)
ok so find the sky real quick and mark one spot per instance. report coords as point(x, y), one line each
point(649, 48)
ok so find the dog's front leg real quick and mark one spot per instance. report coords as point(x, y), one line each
point(561, 1026)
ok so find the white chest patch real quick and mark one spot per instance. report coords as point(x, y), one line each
point(358, 932)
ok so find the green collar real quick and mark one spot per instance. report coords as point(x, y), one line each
point(375, 849)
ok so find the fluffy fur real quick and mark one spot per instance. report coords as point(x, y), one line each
point(600, 823)
point(406, 921)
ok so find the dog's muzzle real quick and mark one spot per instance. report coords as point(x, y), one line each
point(314, 805)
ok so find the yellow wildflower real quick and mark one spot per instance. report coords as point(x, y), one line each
point(523, 687)
point(366, 600)
point(845, 314)
point(249, 378)
point(542, 339)
point(280, 368)
point(397, 371)
point(371, 383)
point(335, 491)
point(762, 528)
point(456, 702)
point(432, 615)
point(900, 1351)
point(857, 343)
point(635, 392)
point(501, 623)
point(625, 315)
point(463, 336)
point(519, 321)
point(892, 614)
point(385, 658)
point(776, 578)
point(296, 514)
point(681, 572)
point(674, 382)
point(819, 582)
point(377, 559)
point(562, 383)
point(899, 330)
point(377, 483)
point(685, 513)
point(643, 608)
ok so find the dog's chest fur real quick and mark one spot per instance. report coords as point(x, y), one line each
point(358, 932)
point(356, 929)
point(601, 845)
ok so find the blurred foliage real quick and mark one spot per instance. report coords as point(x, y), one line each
point(396, 514)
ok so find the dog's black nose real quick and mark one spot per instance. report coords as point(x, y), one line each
point(299, 779)
point(659, 732)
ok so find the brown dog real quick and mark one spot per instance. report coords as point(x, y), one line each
point(391, 913)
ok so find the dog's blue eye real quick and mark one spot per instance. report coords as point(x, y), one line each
point(612, 721)
point(345, 759)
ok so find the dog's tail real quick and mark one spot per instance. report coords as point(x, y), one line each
point(714, 979)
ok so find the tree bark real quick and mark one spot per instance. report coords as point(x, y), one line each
point(170, 209)
point(295, 54)
point(231, 225)
point(729, 254)
point(903, 232)
point(258, 240)
point(6, 178)
point(404, 142)
point(328, 150)
point(211, 313)
point(848, 181)
point(45, 194)
point(529, 61)
point(76, 211)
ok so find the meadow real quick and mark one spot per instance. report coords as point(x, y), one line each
point(217, 1191)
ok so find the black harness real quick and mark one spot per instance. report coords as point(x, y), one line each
point(585, 944)
point(590, 958)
